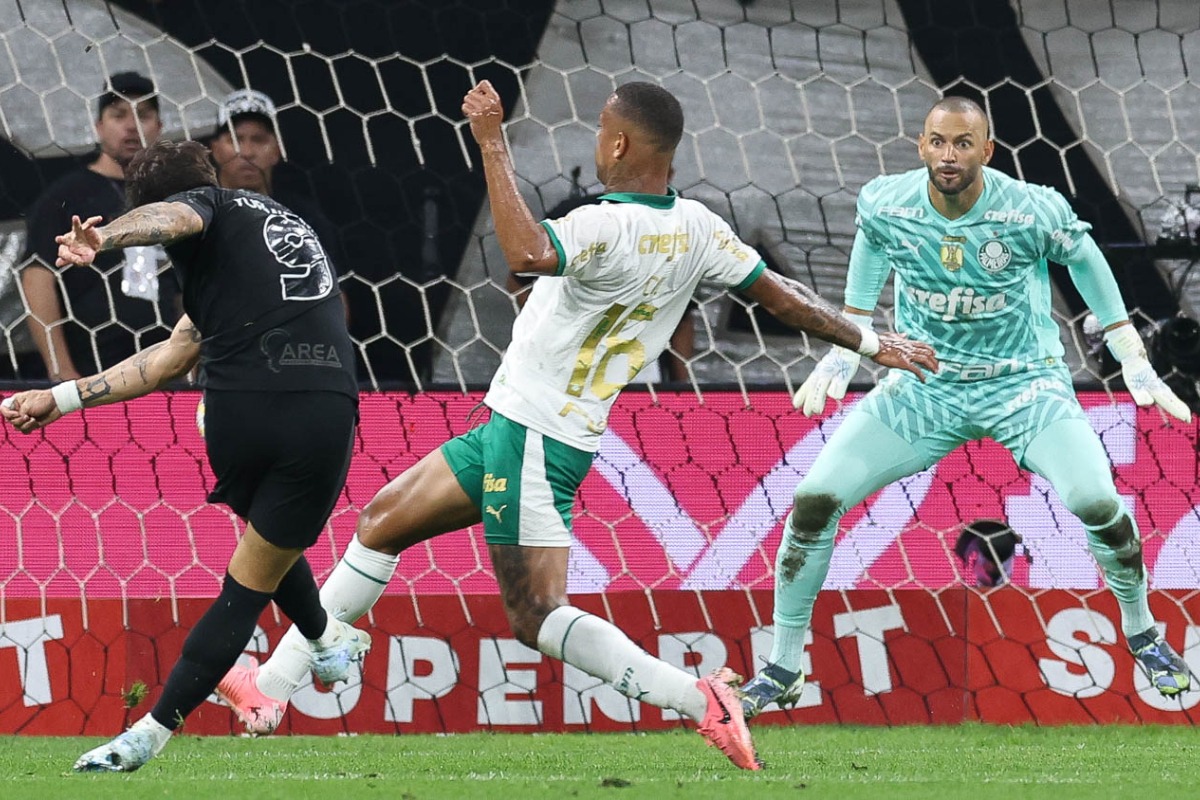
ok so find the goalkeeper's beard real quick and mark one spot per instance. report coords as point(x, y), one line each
point(965, 179)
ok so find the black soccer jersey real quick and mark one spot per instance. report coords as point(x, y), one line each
point(261, 290)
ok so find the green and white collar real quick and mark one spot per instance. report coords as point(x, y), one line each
point(653, 200)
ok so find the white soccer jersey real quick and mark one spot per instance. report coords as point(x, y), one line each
point(626, 271)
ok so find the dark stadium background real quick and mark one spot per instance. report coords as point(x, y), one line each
point(381, 211)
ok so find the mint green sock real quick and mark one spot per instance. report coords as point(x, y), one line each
point(861, 457)
point(800, 570)
point(1123, 570)
point(1070, 455)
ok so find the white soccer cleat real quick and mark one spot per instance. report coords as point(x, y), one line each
point(126, 753)
point(332, 664)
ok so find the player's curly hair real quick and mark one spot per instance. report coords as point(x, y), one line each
point(166, 168)
point(654, 110)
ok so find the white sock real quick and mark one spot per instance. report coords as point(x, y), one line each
point(355, 584)
point(280, 677)
point(161, 733)
point(330, 636)
point(357, 581)
point(601, 650)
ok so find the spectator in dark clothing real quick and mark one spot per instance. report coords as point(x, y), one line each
point(84, 319)
point(246, 149)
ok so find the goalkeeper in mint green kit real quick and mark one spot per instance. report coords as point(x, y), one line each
point(969, 246)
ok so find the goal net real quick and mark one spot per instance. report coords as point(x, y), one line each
point(108, 552)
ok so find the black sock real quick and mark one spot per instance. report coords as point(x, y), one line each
point(210, 650)
point(298, 597)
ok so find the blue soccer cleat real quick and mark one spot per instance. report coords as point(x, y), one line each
point(771, 685)
point(1166, 670)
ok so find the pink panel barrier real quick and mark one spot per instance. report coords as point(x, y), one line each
point(108, 551)
point(110, 503)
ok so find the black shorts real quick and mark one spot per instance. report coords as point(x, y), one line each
point(280, 458)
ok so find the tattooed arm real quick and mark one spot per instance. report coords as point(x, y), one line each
point(154, 223)
point(146, 371)
point(137, 375)
point(802, 309)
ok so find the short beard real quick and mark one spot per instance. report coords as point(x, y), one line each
point(963, 185)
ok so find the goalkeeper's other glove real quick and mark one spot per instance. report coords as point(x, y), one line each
point(1143, 382)
point(831, 377)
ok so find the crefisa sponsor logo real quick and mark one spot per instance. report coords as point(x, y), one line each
point(1009, 216)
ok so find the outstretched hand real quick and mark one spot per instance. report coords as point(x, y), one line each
point(79, 245)
point(485, 112)
point(898, 351)
point(28, 411)
point(829, 380)
point(833, 373)
point(1148, 389)
point(1143, 382)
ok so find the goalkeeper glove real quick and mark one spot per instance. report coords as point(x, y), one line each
point(831, 377)
point(1143, 382)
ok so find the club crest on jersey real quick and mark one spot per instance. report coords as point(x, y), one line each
point(952, 252)
point(994, 255)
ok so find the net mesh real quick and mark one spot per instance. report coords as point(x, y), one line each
point(108, 548)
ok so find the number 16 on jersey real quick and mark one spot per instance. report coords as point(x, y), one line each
point(589, 373)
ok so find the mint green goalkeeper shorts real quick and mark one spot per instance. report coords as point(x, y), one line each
point(523, 482)
point(939, 415)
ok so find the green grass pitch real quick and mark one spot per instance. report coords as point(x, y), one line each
point(971, 761)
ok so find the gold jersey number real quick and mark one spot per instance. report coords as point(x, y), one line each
point(607, 332)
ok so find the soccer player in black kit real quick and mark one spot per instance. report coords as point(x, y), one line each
point(264, 321)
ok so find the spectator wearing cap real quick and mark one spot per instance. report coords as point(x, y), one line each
point(246, 148)
point(85, 319)
point(245, 145)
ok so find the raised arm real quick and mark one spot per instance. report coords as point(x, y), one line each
point(153, 223)
point(137, 375)
point(525, 244)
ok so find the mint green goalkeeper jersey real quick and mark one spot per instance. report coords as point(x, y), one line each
point(977, 288)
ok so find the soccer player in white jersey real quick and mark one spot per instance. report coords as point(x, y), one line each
point(969, 246)
point(617, 279)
